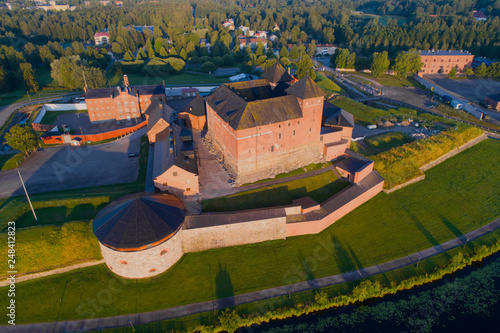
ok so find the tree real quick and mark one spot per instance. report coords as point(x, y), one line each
point(173, 52)
point(294, 53)
point(351, 60)
point(285, 62)
point(117, 48)
point(30, 82)
point(305, 66)
point(183, 54)
point(468, 72)
point(128, 56)
point(283, 52)
point(407, 63)
point(260, 49)
point(481, 70)
point(380, 63)
point(341, 59)
point(208, 67)
point(163, 53)
point(494, 70)
point(312, 49)
point(3, 78)
point(23, 138)
point(228, 60)
point(452, 73)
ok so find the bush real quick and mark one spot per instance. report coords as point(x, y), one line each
point(208, 67)
point(228, 60)
point(205, 59)
point(218, 61)
point(194, 60)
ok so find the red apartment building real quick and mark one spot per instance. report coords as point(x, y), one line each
point(442, 61)
point(123, 103)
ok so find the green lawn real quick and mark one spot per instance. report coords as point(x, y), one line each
point(51, 116)
point(319, 188)
point(327, 85)
point(115, 79)
point(48, 247)
point(388, 140)
point(366, 115)
point(47, 85)
point(392, 80)
point(259, 309)
point(10, 161)
point(460, 114)
point(457, 196)
point(299, 171)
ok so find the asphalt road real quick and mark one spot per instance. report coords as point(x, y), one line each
point(66, 167)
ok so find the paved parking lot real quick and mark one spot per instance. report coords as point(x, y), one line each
point(80, 123)
point(66, 167)
point(474, 90)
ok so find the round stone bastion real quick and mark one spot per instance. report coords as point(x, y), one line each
point(139, 233)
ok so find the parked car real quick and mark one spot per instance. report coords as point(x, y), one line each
point(133, 155)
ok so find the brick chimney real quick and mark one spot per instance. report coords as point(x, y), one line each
point(125, 80)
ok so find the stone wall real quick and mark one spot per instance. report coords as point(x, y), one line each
point(200, 239)
point(145, 263)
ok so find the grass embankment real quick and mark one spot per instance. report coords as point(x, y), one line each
point(379, 143)
point(391, 80)
point(116, 78)
point(365, 115)
point(297, 304)
point(327, 85)
point(10, 161)
point(319, 188)
point(460, 114)
point(389, 140)
point(400, 164)
point(387, 227)
point(51, 116)
point(299, 171)
point(47, 247)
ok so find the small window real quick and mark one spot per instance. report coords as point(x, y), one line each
point(174, 174)
point(298, 122)
point(288, 124)
point(165, 184)
point(188, 189)
point(280, 135)
point(164, 251)
point(123, 262)
point(152, 270)
point(293, 133)
point(321, 138)
point(126, 103)
point(309, 130)
point(272, 148)
point(279, 126)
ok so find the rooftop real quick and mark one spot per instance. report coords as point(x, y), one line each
point(132, 90)
point(335, 116)
point(277, 73)
point(305, 88)
point(196, 107)
point(445, 53)
point(139, 220)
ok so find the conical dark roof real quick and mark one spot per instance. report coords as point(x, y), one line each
point(196, 107)
point(138, 220)
point(305, 88)
point(276, 73)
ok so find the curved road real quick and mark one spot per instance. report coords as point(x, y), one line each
point(185, 310)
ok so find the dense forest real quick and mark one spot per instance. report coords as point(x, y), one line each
point(363, 27)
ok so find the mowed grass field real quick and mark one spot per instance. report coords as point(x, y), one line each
point(319, 188)
point(64, 245)
point(457, 196)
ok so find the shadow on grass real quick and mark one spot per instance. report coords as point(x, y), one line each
point(422, 229)
point(452, 227)
point(306, 266)
point(224, 287)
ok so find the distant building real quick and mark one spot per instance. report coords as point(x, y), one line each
point(229, 24)
point(493, 101)
point(261, 34)
point(101, 38)
point(480, 60)
point(276, 27)
point(325, 49)
point(52, 6)
point(273, 37)
point(123, 103)
point(442, 61)
point(252, 42)
point(479, 15)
